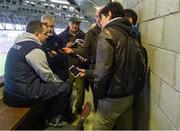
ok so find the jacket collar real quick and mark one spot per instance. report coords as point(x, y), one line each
point(123, 23)
point(96, 29)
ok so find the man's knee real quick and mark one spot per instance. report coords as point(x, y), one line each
point(66, 87)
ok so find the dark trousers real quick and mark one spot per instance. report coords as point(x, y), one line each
point(59, 105)
point(56, 104)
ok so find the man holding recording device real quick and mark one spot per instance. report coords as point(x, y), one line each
point(69, 38)
point(88, 52)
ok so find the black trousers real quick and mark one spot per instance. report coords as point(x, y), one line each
point(56, 99)
point(59, 105)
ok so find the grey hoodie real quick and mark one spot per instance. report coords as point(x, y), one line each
point(37, 59)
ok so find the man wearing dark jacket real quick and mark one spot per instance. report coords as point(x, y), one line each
point(139, 96)
point(29, 80)
point(110, 60)
point(52, 48)
point(88, 50)
point(66, 39)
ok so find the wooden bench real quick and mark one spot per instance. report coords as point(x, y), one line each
point(20, 117)
point(11, 117)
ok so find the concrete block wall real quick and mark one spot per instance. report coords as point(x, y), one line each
point(160, 27)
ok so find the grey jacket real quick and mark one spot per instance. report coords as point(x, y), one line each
point(37, 59)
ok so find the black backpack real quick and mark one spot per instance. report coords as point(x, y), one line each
point(135, 66)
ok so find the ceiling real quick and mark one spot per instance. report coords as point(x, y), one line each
point(22, 11)
point(88, 6)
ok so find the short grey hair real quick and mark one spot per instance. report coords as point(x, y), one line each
point(47, 17)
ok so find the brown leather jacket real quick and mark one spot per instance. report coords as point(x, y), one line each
point(89, 47)
point(110, 59)
point(88, 50)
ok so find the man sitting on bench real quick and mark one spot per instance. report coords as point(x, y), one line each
point(29, 80)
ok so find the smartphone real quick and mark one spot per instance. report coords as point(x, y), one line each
point(77, 41)
point(75, 44)
point(80, 41)
point(74, 71)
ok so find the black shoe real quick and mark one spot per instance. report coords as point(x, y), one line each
point(57, 122)
point(60, 124)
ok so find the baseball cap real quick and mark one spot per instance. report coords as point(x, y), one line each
point(75, 19)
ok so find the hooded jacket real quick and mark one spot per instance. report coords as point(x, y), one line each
point(110, 59)
point(27, 70)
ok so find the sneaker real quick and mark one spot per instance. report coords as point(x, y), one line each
point(85, 111)
point(60, 124)
point(57, 122)
point(84, 114)
point(63, 124)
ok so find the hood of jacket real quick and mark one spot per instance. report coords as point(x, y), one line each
point(27, 37)
point(123, 23)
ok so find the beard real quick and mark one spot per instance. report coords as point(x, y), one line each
point(50, 33)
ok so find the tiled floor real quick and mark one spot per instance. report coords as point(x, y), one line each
point(88, 121)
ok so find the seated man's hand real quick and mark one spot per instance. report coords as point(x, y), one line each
point(52, 53)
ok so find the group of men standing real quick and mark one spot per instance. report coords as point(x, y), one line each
point(40, 59)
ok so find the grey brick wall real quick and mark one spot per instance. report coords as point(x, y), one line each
point(160, 27)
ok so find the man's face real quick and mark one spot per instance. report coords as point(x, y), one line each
point(98, 18)
point(43, 35)
point(104, 20)
point(50, 26)
point(74, 27)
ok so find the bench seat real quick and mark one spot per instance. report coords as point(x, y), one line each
point(18, 117)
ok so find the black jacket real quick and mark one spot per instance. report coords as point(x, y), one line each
point(63, 40)
point(110, 59)
point(88, 50)
point(56, 63)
